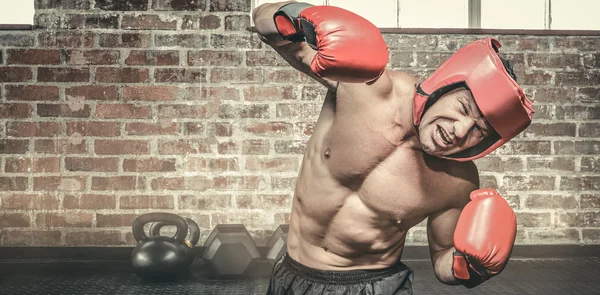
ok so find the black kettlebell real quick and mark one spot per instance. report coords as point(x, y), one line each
point(190, 242)
point(158, 257)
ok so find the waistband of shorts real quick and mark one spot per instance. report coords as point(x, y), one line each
point(341, 277)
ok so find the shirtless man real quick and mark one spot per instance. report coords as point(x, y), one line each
point(388, 152)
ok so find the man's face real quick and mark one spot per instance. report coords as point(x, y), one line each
point(452, 124)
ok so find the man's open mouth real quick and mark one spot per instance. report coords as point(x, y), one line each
point(444, 136)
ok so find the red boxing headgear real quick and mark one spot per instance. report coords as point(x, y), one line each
point(478, 67)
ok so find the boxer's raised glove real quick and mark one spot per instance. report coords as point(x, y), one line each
point(483, 238)
point(349, 47)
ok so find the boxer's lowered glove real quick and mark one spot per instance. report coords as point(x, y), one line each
point(483, 238)
point(349, 47)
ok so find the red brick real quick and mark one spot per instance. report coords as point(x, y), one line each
point(153, 57)
point(65, 39)
point(146, 202)
point(577, 183)
point(285, 76)
point(205, 202)
point(272, 164)
point(122, 111)
point(168, 183)
point(30, 202)
point(33, 129)
point(245, 41)
point(90, 201)
point(148, 22)
point(588, 78)
point(550, 202)
point(182, 111)
point(60, 146)
point(57, 183)
point(581, 43)
point(290, 147)
point(216, 94)
point(529, 182)
point(198, 183)
point(110, 183)
point(211, 164)
point(268, 128)
point(71, 219)
point(100, 21)
point(14, 146)
point(264, 201)
point(183, 146)
point(122, 75)
point(305, 128)
point(162, 128)
point(92, 57)
point(590, 164)
point(178, 5)
point(13, 183)
point(263, 58)
point(31, 238)
point(268, 93)
point(237, 182)
point(250, 75)
point(300, 110)
point(71, 110)
point(14, 220)
point(49, 164)
point(149, 165)
point(93, 92)
point(150, 93)
point(228, 147)
point(15, 110)
point(249, 218)
point(32, 56)
point(32, 93)
point(87, 128)
point(214, 58)
point(193, 128)
point(497, 164)
point(115, 220)
point(230, 5)
point(256, 111)
point(201, 22)
point(217, 129)
point(180, 75)
point(121, 147)
point(255, 147)
point(92, 164)
point(94, 238)
point(62, 4)
point(126, 40)
point(63, 74)
point(15, 74)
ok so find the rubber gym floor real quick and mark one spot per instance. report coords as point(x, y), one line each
point(576, 276)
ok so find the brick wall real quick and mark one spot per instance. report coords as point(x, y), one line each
point(110, 109)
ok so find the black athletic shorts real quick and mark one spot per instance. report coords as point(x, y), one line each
point(289, 277)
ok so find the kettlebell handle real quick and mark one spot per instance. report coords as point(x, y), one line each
point(192, 227)
point(174, 219)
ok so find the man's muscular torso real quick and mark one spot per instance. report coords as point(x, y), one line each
point(361, 187)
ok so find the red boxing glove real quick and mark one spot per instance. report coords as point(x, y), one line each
point(350, 48)
point(483, 238)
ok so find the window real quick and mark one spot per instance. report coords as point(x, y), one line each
point(16, 12)
point(487, 14)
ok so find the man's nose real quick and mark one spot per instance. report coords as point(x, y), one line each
point(463, 126)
